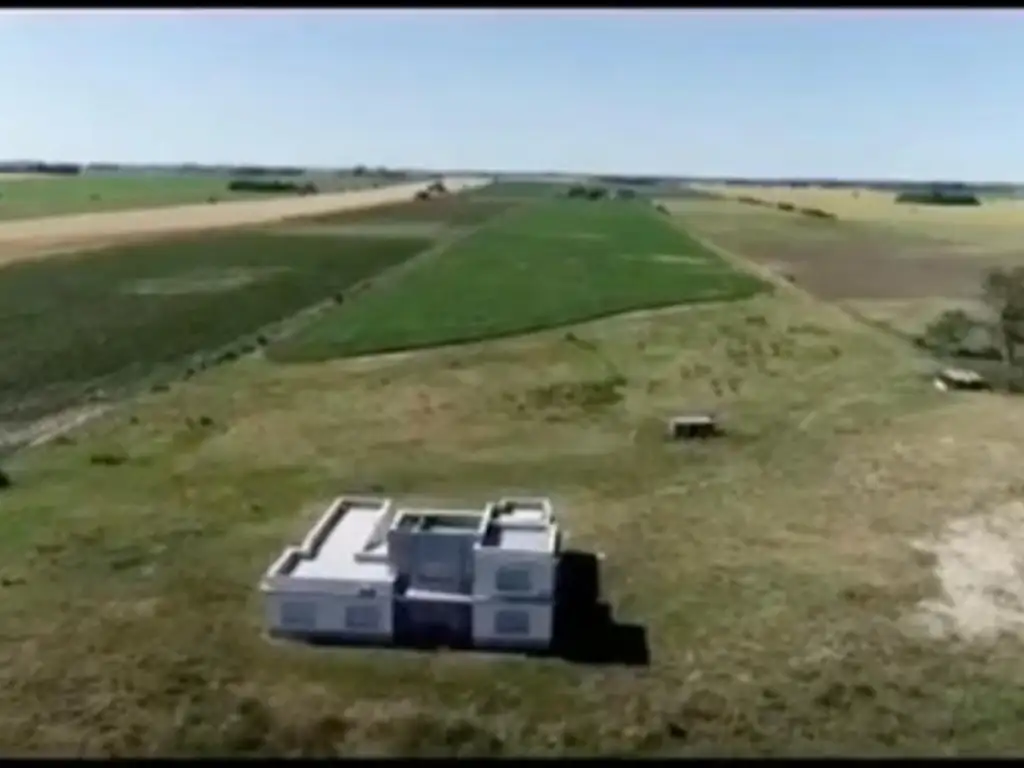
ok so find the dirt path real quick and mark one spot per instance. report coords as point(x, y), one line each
point(34, 238)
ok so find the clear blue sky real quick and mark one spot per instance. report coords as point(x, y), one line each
point(827, 93)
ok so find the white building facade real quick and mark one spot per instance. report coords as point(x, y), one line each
point(371, 571)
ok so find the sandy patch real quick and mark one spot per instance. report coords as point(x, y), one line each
point(25, 176)
point(979, 564)
point(397, 229)
point(199, 281)
point(29, 238)
point(669, 258)
point(46, 429)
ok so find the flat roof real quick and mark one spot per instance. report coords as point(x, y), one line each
point(523, 539)
point(335, 558)
point(349, 543)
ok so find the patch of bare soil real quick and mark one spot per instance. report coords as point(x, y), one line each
point(979, 565)
point(858, 262)
point(384, 229)
point(47, 429)
point(669, 258)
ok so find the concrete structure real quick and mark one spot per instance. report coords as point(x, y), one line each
point(693, 426)
point(960, 379)
point(371, 571)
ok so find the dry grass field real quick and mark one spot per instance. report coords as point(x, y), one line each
point(878, 259)
point(834, 576)
point(879, 207)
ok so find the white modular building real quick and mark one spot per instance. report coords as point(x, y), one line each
point(373, 571)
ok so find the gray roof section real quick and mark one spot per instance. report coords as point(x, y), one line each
point(524, 539)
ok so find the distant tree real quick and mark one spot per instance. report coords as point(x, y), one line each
point(938, 196)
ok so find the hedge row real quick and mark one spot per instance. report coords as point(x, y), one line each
point(814, 213)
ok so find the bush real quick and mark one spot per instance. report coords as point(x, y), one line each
point(788, 207)
point(271, 185)
point(955, 333)
point(108, 459)
point(938, 196)
point(586, 193)
point(817, 213)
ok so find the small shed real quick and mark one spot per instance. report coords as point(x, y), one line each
point(693, 426)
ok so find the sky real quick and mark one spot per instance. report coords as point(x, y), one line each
point(852, 94)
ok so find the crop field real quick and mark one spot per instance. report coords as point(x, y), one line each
point(74, 324)
point(833, 575)
point(26, 198)
point(41, 237)
point(521, 190)
point(545, 265)
point(449, 211)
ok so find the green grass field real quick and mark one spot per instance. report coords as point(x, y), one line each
point(32, 198)
point(546, 265)
point(116, 315)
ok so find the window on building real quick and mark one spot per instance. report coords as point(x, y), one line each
point(512, 578)
point(510, 622)
point(297, 614)
point(362, 617)
point(434, 570)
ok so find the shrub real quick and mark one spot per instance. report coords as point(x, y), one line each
point(586, 193)
point(108, 459)
point(956, 333)
point(789, 207)
point(579, 394)
point(817, 213)
point(938, 196)
point(270, 185)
